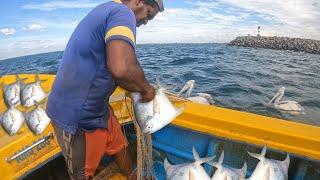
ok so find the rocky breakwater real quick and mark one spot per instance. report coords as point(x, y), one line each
point(280, 43)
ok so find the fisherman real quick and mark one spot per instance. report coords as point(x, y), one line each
point(99, 56)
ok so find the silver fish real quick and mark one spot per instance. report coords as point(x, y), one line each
point(12, 120)
point(270, 169)
point(156, 114)
point(227, 173)
point(11, 92)
point(188, 171)
point(32, 92)
point(37, 120)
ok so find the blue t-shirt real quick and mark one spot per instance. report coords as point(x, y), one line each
point(83, 84)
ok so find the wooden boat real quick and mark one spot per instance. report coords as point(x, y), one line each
point(210, 129)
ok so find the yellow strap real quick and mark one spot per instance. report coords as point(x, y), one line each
point(121, 31)
point(118, 1)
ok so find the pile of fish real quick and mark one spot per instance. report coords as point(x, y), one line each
point(266, 169)
point(27, 95)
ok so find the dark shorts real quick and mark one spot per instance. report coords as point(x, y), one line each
point(84, 150)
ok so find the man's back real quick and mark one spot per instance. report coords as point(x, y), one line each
point(79, 97)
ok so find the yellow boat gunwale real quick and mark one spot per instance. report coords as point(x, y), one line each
point(295, 138)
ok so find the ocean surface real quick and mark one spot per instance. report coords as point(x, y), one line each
point(238, 78)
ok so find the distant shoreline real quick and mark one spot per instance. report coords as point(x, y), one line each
point(279, 43)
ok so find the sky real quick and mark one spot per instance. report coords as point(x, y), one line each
point(38, 26)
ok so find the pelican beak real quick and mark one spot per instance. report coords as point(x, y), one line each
point(188, 87)
point(274, 97)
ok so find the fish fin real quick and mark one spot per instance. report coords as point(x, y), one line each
point(218, 164)
point(254, 155)
point(199, 160)
point(243, 170)
point(285, 163)
point(195, 154)
point(20, 80)
point(38, 79)
point(264, 151)
point(156, 107)
point(215, 164)
point(220, 161)
point(192, 176)
point(158, 83)
point(166, 164)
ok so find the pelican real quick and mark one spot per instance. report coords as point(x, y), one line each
point(292, 107)
point(202, 98)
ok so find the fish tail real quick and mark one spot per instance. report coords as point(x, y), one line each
point(254, 155)
point(199, 160)
point(219, 163)
point(195, 154)
point(166, 163)
point(286, 162)
point(259, 156)
point(243, 170)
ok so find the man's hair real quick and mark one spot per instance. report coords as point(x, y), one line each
point(158, 3)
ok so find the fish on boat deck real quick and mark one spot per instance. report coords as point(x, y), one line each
point(37, 120)
point(12, 120)
point(11, 92)
point(32, 92)
point(269, 168)
point(227, 173)
point(188, 171)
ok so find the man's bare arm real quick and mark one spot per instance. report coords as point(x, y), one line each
point(126, 70)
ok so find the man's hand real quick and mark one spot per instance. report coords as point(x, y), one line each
point(148, 95)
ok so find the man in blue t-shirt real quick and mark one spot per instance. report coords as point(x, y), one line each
point(99, 56)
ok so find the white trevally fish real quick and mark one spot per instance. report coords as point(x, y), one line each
point(32, 92)
point(12, 120)
point(269, 169)
point(156, 114)
point(11, 92)
point(37, 120)
point(227, 173)
point(188, 171)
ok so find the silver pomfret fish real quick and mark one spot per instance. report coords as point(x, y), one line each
point(188, 171)
point(227, 173)
point(156, 114)
point(270, 169)
point(11, 92)
point(32, 92)
point(12, 120)
point(37, 120)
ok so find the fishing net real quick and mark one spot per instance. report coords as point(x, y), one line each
point(144, 154)
point(144, 150)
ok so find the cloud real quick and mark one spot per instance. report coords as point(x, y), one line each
point(34, 27)
point(54, 5)
point(8, 31)
point(223, 20)
point(31, 45)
